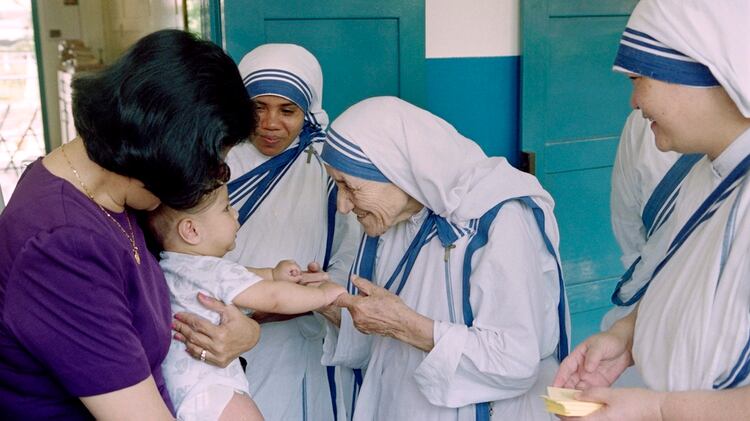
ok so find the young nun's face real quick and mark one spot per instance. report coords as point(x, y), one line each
point(279, 123)
point(378, 206)
point(681, 116)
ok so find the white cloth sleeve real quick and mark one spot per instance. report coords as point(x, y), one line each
point(355, 349)
point(232, 279)
point(346, 346)
point(514, 294)
point(639, 167)
point(346, 236)
point(626, 199)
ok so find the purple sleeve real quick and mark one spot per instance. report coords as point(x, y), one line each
point(66, 302)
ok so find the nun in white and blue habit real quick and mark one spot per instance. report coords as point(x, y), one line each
point(286, 207)
point(691, 330)
point(479, 260)
point(693, 323)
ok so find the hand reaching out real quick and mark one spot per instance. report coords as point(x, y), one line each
point(597, 362)
point(313, 275)
point(600, 359)
point(378, 311)
point(332, 291)
point(288, 271)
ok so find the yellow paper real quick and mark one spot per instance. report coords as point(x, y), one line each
point(561, 402)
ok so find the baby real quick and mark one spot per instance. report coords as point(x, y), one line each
point(194, 242)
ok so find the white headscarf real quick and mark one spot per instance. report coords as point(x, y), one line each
point(428, 159)
point(713, 33)
point(288, 71)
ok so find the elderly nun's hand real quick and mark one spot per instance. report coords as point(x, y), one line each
point(217, 345)
point(378, 311)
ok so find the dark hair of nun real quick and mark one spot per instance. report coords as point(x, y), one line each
point(165, 113)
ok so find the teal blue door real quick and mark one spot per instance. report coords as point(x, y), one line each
point(366, 48)
point(573, 108)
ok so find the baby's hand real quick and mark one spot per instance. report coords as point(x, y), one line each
point(332, 291)
point(287, 270)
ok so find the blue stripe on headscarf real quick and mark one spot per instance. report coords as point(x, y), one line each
point(256, 184)
point(278, 87)
point(349, 158)
point(278, 74)
point(647, 58)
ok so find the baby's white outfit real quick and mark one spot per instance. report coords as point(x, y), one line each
point(200, 391)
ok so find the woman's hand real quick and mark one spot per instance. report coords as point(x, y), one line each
point(378, 311)
point(598, 361)
point(222, 344)
point(622, 404)
point(601, 358)
point(313, 275)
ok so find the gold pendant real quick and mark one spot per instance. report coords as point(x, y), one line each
point(137, 256)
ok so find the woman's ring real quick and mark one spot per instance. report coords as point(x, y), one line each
point(203, 356)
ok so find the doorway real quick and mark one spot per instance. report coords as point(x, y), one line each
point(21, 133)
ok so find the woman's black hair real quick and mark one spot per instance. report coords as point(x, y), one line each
point(165, 113)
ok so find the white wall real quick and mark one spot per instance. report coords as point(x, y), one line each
point(472, 28)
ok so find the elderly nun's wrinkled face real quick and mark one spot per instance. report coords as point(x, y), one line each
point(279, 122)
point(378, 206)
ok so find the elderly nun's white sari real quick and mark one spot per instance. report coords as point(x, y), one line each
point(693, 325)
point(284, 211)
point(507, 352)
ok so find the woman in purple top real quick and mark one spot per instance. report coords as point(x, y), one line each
point(84, 308)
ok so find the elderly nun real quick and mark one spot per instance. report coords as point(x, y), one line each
point(460, 310)
point(690, 335)
point(286, 205)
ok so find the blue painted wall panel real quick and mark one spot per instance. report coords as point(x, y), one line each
point(479, 96)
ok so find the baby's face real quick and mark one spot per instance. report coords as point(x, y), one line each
point(220, 225)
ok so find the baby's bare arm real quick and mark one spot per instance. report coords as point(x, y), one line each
point(287, 297)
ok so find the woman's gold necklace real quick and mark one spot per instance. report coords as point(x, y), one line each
point(131, 236)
